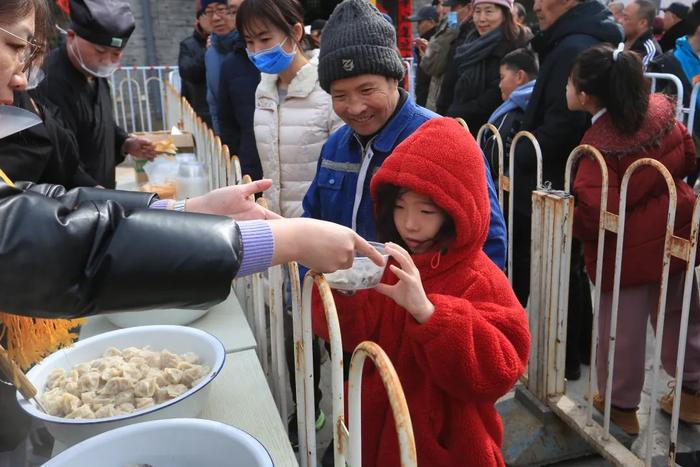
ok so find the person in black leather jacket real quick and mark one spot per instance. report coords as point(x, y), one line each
point(89, 251)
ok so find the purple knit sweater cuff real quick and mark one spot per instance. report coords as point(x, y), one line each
point(258, 246)
point(160, 204)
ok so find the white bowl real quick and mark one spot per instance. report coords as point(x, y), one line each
point(363, 274)
point(177, 339)
point(172, 316)
point(172, 443)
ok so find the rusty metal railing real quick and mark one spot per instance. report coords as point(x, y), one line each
point(397, 400)
point(674, 247)
point(347, 444)
point(506, 183)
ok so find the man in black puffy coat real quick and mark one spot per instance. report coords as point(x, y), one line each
point(568, 27)
point(191, 66)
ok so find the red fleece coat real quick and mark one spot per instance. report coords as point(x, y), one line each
point(474, 347)
point(662, 138)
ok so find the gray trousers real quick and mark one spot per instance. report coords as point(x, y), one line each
point(637, 304)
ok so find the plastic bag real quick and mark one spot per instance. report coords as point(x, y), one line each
point(162, 169)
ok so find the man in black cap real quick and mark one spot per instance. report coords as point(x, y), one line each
point(675, 25)
point(76, 82)
point(427, 19)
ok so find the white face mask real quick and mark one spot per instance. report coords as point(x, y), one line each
point(34, 77)
point(102, 71)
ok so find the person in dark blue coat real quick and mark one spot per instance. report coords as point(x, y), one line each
point(192, 69)
point(239, 79)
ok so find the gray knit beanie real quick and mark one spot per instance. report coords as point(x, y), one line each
point(357, 40)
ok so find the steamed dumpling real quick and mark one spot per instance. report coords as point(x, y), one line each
point(116, 385)
point(120, 382)
point(145, 388)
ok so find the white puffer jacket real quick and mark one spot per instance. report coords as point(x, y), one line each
point(290, 135)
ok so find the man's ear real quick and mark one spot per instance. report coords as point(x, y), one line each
point(522, 77)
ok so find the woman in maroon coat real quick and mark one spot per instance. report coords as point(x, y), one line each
point(629, 124)
point(444, 313)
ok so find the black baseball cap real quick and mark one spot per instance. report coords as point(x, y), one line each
point(318, 24)
point(102, 22)
point(451, 3)
point(678, 9)
point(426, 13)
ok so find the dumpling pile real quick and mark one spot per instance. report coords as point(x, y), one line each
point(121, 382)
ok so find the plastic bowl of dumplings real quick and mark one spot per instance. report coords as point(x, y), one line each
point(203, 357)
point(363, 274)
point(172, 443)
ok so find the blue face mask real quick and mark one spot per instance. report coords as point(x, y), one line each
point(273, 60)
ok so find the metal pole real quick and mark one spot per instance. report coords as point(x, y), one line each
point(131, 99)
point(496, 135)
point(692, 107)
point(510, 182)
point(692, 247)
point(679, 90)
point(607, 221)
point(397, 401)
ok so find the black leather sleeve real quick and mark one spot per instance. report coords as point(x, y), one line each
point(70, 254)
point(128, 200)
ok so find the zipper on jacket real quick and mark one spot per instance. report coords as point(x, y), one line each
point(367, 154)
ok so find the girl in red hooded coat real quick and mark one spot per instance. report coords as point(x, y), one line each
point(444, 313)
point(629, 124)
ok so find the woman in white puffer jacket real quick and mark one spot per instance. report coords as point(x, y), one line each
point(293, 116)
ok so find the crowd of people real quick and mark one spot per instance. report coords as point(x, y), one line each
point(320, 115)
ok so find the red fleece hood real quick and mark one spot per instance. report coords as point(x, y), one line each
point(442, 160)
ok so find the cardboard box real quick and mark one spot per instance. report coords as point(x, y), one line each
point(184, 142)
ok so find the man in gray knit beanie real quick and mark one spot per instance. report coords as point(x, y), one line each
point(360, 67)
point(358, 40)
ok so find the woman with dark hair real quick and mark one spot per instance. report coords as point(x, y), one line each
point(476, 94)
point(293, 116)
point(629, 124)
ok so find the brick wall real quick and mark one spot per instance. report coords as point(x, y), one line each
point(172, 22)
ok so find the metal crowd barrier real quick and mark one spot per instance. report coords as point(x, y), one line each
point(506, 183)
point(685, 115)
point(557, 218)
point(552, 223)
point(347, 443)
point(139, 98)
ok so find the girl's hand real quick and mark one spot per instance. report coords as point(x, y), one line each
point(408, 292)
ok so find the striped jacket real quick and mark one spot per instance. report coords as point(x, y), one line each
point(647, 47)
